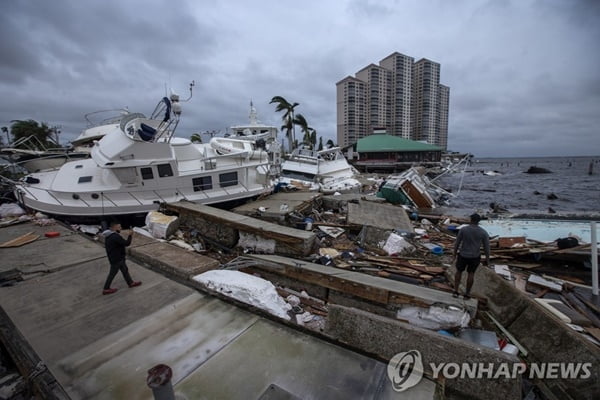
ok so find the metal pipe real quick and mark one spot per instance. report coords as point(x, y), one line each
point(159, 380)
point(594, 260)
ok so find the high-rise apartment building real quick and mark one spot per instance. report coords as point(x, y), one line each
point(400, 95)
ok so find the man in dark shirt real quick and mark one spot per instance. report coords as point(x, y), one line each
point(115, 250)
point(467, 252)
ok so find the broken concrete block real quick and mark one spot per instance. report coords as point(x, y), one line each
point(256, 243)
point(161, 226)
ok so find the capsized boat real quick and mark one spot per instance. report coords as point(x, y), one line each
point(141, 165)
point(413, 188)
point(327, 171)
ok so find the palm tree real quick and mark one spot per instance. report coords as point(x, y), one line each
point(304, 128)
point(313, 138)
point(196, 138)
point(288, 117)
point(320, 143)
point(42, 132)
point(330, 144)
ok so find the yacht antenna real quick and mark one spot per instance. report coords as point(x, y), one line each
point(191, 89)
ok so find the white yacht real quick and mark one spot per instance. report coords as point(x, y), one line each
point(327, 171)
point(139, 166)
point(254, 130)
point(99, 123)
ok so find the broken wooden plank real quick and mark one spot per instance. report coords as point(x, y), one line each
point(509, 242)
point(21, 240)
point(522, 265)
point(509, 335)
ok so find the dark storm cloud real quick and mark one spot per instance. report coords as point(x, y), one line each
point(523, 75)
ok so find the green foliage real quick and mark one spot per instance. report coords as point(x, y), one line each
point(41, 134)
point(320, 143)
point(196, 138)
point(313, 138)
point(288, 116)
point(330, 143)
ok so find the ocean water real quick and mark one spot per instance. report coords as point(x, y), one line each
point(569, 181)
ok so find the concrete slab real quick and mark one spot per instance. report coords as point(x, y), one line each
point(301, 365)
point(100, 347)
point(41, 255)
point(182, 335)
point(387, 337)
point(381, 290)
point(174, 260)
point(382, 216)
point(296, 201)
point(223, 226)
point(65, 310)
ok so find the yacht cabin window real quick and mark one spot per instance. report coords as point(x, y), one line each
point(164, 170)
point(147, 173)
point(228, 179)
point(202, 183)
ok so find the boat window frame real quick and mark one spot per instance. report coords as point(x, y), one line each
point(202, 186)
point(162, 173)
point(224, 182)
point(144, 175)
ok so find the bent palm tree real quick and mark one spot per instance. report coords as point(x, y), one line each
point(287, 118)
point(304, 128)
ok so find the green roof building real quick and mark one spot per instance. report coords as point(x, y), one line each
point(379, 153)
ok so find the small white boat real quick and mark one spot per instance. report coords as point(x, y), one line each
point(327, 171)
point(254, 130)
point(141, 165)
point(40, 160)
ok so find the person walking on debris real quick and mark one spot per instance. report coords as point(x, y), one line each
point(467, 252)
point(115, 250)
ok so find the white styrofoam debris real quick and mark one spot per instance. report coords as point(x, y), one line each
point(91, 229)
point(182, 244)
point(11, 209)
point(142, 231)
point(503, 270)
point(293, 300)
point(396, 244)
point(434, 317)
point(256, 243)
point(161, 226)
point(246, 288)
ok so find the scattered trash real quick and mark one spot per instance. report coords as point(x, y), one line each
point(397, 244)
point(293, 300)
point(484, 338)
point(182, 244)
point(11, 210)
point(142, 232)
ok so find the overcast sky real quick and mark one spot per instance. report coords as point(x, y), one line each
point(524, 75)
